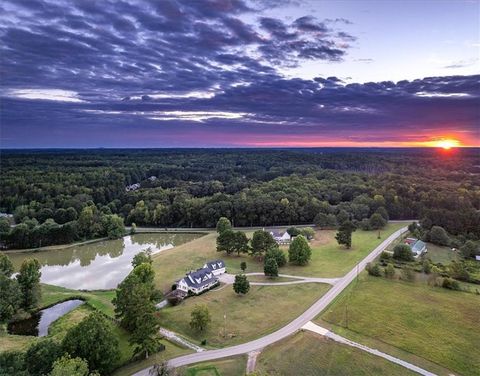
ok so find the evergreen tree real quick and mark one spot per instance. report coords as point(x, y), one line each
point(344, 234)
point(241, 284)
point(270, 267)
point(243, 266)
point(299, 252)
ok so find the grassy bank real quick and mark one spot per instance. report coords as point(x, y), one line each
point(224, 367)
point(309, 354)
point(263, 310)
point(436, 324)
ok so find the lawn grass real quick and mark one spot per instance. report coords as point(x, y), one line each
point(171, 351)
point(328, 258)
point(309, 354)
point(235, 366)
point(101, 300)
point(436, 324)
point(441, 255)
point(261, 311)
point(265, 279)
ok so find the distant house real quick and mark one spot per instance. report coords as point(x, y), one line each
point(217, 267)
point(281, 237)
point(152, 178)
point(418, 247)
point(202, 279)
point(132, 187)
point(477, 258)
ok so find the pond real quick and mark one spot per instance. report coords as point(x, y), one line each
point(38, 324)
point(98, 266)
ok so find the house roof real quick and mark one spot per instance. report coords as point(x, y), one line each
point(418, 246)
point(199, 278)
point(215, 264)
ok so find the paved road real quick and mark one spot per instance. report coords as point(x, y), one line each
point(288, 329)
point(325, 332)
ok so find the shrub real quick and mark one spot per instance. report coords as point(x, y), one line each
point(470, 249)
point(402, 252)
point(450, 283)
point(437, 235)
point(41, 356)
point(426, 267)
point(374, 269)
point(385, 256)
point(407, 274)
point(390, 271)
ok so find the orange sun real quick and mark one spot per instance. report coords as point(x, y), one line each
point(447, 144)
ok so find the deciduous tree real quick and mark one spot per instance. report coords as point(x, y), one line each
point(29, 280)
point(93, 340)
point(200, 318)
point(223, 224)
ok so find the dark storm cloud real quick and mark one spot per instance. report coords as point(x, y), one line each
point(116, 47)
point(181, 66)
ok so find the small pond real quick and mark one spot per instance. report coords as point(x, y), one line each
point(101, 265)
point(38, 324)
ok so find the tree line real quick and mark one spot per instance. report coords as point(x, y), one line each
point(194, 188)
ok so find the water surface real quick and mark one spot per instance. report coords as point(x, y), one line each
point(101, 265)
point(38, 324)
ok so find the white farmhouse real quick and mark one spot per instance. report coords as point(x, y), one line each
point(202, 279)
point(217, 267)
point(281, 238)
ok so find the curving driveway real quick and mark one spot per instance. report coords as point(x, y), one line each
point(290, 328)
point(230, 278)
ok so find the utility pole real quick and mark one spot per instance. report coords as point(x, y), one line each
point(225, 324)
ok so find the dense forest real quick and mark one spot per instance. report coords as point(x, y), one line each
point(66, 195)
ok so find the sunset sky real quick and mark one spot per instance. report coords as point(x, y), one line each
point(239, 73)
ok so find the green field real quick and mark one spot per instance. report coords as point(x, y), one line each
point(328, 258)
point(309, 354)
point(439, 325)
point(223, 367)
point(263, 310)
point(441, 255)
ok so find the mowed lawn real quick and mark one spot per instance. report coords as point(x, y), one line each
point(439, 325)
point(309, 354)
point(263, 310)
point(224, 367)
point(328, 258)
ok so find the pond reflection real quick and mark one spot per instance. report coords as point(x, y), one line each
point(99, 265)
point(38, 324)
